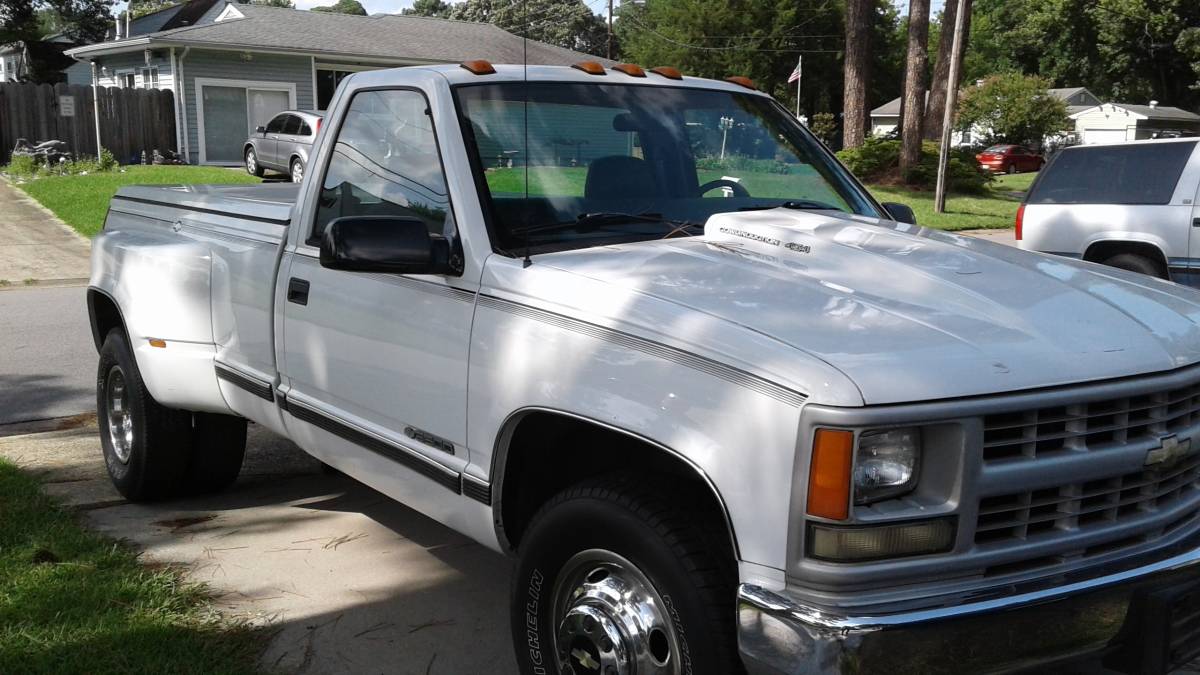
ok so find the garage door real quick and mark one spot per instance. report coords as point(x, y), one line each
point(1092, 136)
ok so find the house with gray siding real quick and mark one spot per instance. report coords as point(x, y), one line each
point(235, 66)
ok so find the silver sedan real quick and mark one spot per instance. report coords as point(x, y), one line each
point(283, 144)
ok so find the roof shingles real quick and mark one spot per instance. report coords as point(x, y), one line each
point(391, 37)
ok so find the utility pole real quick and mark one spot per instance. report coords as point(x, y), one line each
point(939, 195)
point(610, 29)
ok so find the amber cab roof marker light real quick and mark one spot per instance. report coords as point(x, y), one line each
point(590, 67)
point(829, 474)
point(479, 67)
point(742, 81)
point(630, 69)
point(668, 72)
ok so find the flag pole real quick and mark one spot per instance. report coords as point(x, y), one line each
point(799, 80)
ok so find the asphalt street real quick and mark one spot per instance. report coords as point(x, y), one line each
point(47, 362)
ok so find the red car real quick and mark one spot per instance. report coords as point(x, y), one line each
point(1009, 159)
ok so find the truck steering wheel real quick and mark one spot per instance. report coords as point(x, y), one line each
point(739, 190)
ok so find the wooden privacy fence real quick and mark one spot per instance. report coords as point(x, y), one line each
point(131, 120)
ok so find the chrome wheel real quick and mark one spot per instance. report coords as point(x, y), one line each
point(120, 420)
point(251, 162)
point(297, 171)
point(609, 619)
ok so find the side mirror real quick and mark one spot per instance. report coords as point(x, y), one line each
point(389, 244)
point(260, 130)
point(901, 213)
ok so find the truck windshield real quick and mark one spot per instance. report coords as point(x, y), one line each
point(573, 165)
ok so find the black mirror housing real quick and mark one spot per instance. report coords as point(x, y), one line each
point(388, 244)
point(901, 213)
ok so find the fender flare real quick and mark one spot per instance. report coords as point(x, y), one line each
point(500, 460)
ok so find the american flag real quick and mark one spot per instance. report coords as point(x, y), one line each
point(795, 76)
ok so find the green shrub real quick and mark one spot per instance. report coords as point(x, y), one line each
point(872, 159)
point(748, 164)
point(878, 161)
point(107, 162)
point(22, 166)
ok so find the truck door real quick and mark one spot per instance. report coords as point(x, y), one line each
point(374, 366)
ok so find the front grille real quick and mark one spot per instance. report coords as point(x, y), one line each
point(1028, 434)
point(1035, 519)
point(1090, 505)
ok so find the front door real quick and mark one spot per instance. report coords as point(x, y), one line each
point(375, 365)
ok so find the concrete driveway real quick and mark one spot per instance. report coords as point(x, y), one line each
point(345, 579)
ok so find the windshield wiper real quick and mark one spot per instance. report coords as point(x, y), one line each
point(589, 222)
point(799, 204)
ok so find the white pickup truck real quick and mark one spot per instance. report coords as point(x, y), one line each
point(645, 334)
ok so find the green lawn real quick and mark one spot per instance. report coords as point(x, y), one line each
point(74, 602)
point(82, 201)
point(995, 208)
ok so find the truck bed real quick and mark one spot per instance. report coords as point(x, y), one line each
point(269, 202)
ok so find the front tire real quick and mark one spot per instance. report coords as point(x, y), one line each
point(252, 166)
point(1012, 168)
point(608, 550)
point(146, 446)
point(1136, 263)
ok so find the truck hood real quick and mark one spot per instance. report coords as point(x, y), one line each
point(906, 313)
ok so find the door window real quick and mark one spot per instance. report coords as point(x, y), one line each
point(385, 162)
point(292, 125)
point(305, 130)
point(276, 125)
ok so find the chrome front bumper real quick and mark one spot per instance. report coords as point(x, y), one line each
point(1120, 620)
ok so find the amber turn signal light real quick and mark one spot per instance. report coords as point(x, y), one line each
point(668, 72)
point(156, 342)
point(829, 474)
point(479, 67)
point(630, 69)
point(742, 81)
point(590, 67)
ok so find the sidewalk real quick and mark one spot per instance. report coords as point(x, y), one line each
point(37, 248)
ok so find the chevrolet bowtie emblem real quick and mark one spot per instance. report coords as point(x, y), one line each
point(1170, 452)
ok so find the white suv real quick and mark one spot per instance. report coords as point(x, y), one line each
point(1128, 205)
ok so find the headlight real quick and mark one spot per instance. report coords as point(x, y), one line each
point(886, 464)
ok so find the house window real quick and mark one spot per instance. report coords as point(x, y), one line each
point(150, 77)
point(327, 82)
point(127, 80)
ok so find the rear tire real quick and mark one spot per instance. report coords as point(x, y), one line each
point(1136, 263)
point(297, 170)
point(146, 446)
point(606, 549)
point(218, 448)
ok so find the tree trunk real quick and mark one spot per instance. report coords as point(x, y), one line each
point(936, 110)
point(857, 71)
point(913, 105)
